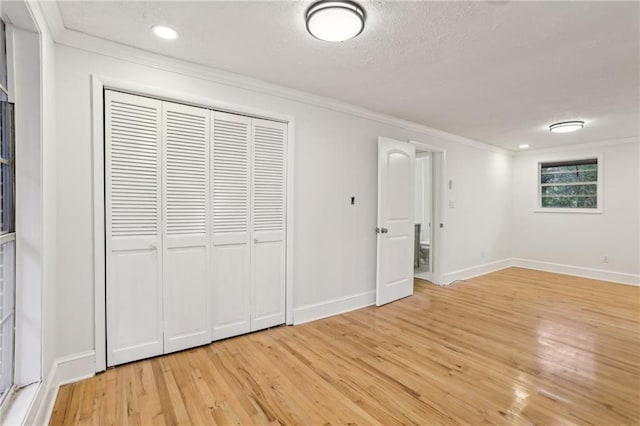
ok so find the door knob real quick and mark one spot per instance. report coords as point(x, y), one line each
point(153, 245)
point(384, 230)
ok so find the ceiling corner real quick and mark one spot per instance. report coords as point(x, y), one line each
point(53, 17)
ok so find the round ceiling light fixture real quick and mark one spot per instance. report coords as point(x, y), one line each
point(335, 20)
point(566, 126)
point(164, 32)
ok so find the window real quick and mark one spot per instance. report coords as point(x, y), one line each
point(571, 185)
point(7, 234)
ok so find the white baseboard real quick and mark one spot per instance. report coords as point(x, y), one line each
point(579, 271)
point(333, 307)
point(64, 370)
point(474, 271)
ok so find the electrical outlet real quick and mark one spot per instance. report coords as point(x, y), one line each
point(482, 255)
point(605, 259)
point(451, 204)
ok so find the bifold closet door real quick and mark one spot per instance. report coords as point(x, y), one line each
point(268, 222)
point(186, 257)
point(231, 136)
point(133, 227)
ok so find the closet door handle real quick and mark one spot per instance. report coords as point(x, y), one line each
point(153, 245)
point(256, 240)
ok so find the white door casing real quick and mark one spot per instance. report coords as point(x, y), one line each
point(186, 255)
point(395, 232)
point(268, 253)
point(133, 227)
point(100, 85)
point(231, 181)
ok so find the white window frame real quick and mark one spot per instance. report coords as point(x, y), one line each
point(10, 236)
point(599, 193)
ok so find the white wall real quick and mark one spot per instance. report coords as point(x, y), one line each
point(479, 224)
point(335, 159)
point(581, 240)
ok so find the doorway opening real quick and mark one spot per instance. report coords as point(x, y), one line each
point(423, 215)
point(429, 192)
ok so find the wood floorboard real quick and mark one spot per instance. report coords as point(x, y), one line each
point(513, 347)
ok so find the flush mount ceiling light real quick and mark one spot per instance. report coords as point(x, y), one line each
point(164, 32)
point(566, 126)
point(335, 20)
point(523, 146)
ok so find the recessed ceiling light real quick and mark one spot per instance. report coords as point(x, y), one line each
point(566, 126)
point(335, 20)
point(523, 145)
point(164, 32)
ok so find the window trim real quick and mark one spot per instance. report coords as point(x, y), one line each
point(600, 206)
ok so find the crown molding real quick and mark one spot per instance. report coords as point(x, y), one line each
point(587, 145)
point(78, 40)
point(52, 17)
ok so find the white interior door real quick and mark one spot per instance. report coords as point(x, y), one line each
point(268, 223)
point(186, 256)
point(231, 136)
point(396, 162)
point(133, 227)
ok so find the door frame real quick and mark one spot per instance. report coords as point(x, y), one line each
point(438, 203)
point(419, 155)
point(98, 84)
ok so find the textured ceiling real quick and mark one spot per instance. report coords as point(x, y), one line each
point(494, 71)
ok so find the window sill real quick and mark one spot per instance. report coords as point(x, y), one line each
point(558, 210)
point(16, 409)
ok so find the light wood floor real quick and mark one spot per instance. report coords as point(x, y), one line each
point(512, 347)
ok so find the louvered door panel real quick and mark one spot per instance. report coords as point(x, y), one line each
point(231, 136)
point(133, 220)
point(268, 221)
point(187, 278)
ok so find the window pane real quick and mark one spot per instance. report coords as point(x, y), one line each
point(591, 189)
point(571, 168)
point(6, 129)
point(7, 305)
point(3, 55)
point(569, 177)
point(588, 202)
point(6, 168)
point(5, 195)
